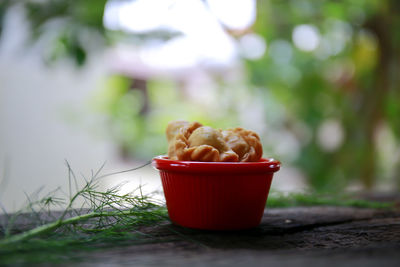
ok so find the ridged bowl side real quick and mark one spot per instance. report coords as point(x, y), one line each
point(216, 202)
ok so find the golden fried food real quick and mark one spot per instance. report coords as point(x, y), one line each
point(195, 142)
point(173, 128)
point(171, 131)
point(246, 144)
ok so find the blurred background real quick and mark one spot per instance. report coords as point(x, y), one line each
point(98, 81)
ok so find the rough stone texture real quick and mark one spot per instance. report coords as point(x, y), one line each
point(315, 236)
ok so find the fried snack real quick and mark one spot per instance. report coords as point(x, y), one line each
point(173, 128)
point(246, 144)
point(195, 142)
point(171, 131)
point(202, 143)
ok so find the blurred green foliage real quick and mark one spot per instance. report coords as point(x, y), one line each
point(140, 130)
point(357, 86)
point(72, 25)
point(351, 79)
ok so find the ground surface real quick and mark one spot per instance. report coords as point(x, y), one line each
point(313, 236)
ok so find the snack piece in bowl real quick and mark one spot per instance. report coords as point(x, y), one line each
point(245, 143)
point(202, 143)
point(171, 131)
point(174, 127)
point(195, 142)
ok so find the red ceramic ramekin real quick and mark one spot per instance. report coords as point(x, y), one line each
point(216, 195)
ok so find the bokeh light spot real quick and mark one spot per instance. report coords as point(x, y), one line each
point(306, 37)
point(252, 46)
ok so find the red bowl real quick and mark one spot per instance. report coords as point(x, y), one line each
point(216, 195)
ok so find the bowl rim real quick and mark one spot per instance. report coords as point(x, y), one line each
point(265, 165)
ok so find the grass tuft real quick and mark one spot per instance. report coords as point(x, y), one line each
point(105, 218)
point(281, 200)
